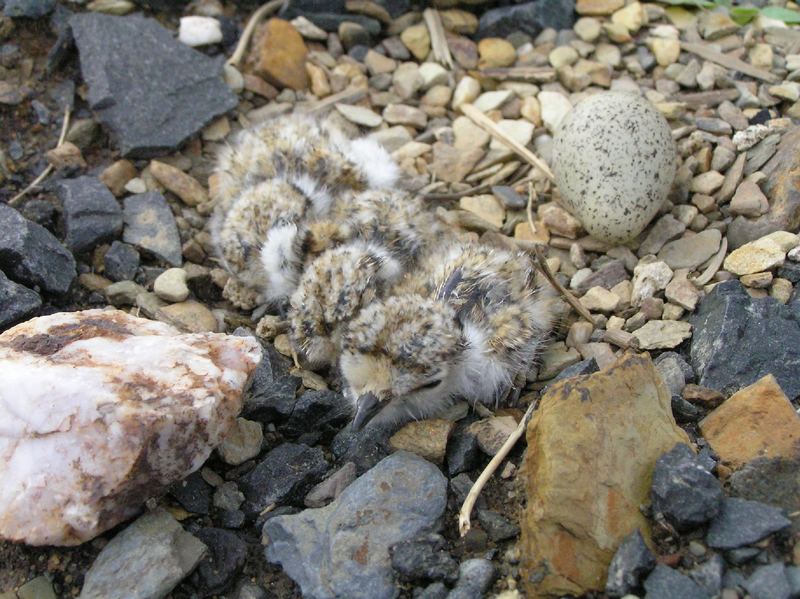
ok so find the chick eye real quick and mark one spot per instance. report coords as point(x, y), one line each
point(431, 385)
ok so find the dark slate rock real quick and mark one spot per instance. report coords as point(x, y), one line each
point(323, 412)
point(342, 550)
point(271, 396)
point(193, 493)
point(231, 518)
point(737, 340)
point(150, 226)
point(666, 583)
point(41, 212)
point(92, 214)
point(364, 448)
point(733, 579)
point(31, 9)
point(790, 271)
point(152, 91)
point(529, 18)
point(121, 261)
point(675, 371)
point(17, 303)
point(769, 582)
point(496, 526)
point(742, 522)
point(578, 369)
point(424, 558)
point(684, 411)
point(284, 476)
point(683, 492)
point(775, 481)
point(475, 576)
point(395, 7)
point(463, 451)
point(31, 255)
point(223, 562)
point(436, 590)
point(305, 6)
point(740, 556)
point(606, 276)
point(631, 562)
point(509, 198)
point(460, 486)
point(793, 576)
point(709, 574)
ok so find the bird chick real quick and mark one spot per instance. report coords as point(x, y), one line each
point(281, 191)
point(478, 319)
point(332, 291)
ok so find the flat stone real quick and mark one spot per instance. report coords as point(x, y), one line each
point(492, 432)
point(692, 250)
point(493, 100)
point(156, 553)
point(17, 303)
point(763, 254)
point(38, 588)
point(182, 185)
point(684, 492)
point(775, 481)
point(399, 114)
point(359, 115)
point(426, 438)
point(285, 475)
point(528, 17)
point(242, 442)
point(335, 551)
point(573, 472)
point(152, 91)
point(555, 107)
point(31, 255)
point(666, 583)
point(150, 226)
point(170, 285)
point(769, 582)
point(30, 9)
point(758, 421)
point(466, 91)
point(631, 562)
point(318, 413)
point(662, 334)
point(330, 488)
point(598, 299)
point(742, 522)
point(738, 340)
point(189, 316)
point(280, 54)
point(453, 165)
point(121, 261)
point(486, 206)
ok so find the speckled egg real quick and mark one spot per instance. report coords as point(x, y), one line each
point(614, 161)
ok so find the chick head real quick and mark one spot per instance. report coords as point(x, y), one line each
point(400, 358)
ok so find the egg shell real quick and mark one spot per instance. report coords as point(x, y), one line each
point(614, 162)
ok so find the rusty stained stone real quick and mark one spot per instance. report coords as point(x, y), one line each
point(592, 447)
point(756, 422)
point(279, 55)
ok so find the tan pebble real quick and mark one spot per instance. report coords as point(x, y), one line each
point(781, 290)
point(117, 175)
point(182, 185)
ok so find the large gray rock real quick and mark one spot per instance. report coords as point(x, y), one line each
point(144, 561)
point(737, 340)
point(16, 302)
point(31, 255)
point(342, 550)
point(150, 226)
point(150, 90)
point(32, 9)
point(91, 213)
point(742, 522)
point(529, 18)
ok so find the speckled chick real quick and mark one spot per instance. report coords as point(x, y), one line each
point(478, 321)
point(282, 188)
point(614, 162)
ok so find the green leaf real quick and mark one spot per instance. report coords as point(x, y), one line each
point(743, 14)
point(781, 14)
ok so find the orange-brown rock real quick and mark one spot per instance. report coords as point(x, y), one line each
point(756, 422)
point(280, 55)
point(592, 446)
point(426, 438)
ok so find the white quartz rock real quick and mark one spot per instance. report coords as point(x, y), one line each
point(614, 162)
point(199, 31)
point(100, 410)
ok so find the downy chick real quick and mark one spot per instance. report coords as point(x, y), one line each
point(388, 232)
point(274, 182)
point(476, 322)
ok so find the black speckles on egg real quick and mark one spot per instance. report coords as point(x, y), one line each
point(614, 162)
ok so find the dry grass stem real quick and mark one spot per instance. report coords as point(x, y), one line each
point(441, 51)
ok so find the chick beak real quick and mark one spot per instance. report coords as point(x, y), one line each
point(367, 406)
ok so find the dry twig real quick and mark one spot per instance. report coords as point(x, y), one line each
point(464, 523)
point(255, 19)
point(490, 127)
point(729, 62)
point(64, 126)
point(441, 51)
